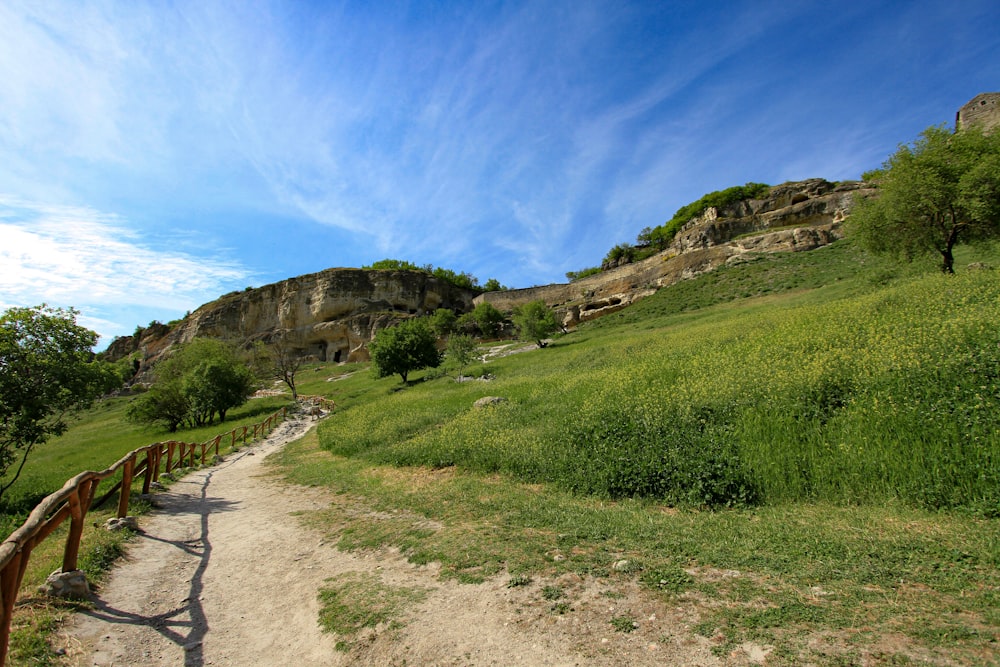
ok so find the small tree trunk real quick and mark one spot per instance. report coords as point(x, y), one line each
point(947, 260)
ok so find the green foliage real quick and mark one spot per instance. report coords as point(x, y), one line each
point(573, 276)
point(406, 347)
point(199, 380)
point(661, 235)
point(623, 253)
point(463, 280)
point(466, 280)
point(535, 322)
point(493, 285)
point(392, 265)
point(488, 319)
point(942, 190)
point(46, 369)
point(461, 351)
point(443, 322)
point(216, 385)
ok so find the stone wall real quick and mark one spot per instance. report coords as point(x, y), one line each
point(982, 110)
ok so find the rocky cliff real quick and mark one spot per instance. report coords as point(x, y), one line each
point(792, 217)
point(329, 315)
point(333, 314)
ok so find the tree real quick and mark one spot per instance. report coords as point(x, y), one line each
point(942, 190)
point(461, 350)
point(488, 319)
point(47, 368)
point(443, 321)
point(408, 346)
point(199, 380)
point(493, 285)
point(215, 385)
point(285, 362)
point(535, 321)
point(165, 402)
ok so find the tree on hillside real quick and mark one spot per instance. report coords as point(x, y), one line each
point(284, 362)
point(406, 347)
point(942, 190)
point(443, 322)
point(461, 351)
point(201, 379)
point(488, 319)
point(46, 369)
point(535, 322)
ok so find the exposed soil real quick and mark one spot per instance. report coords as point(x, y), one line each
point(223, 573)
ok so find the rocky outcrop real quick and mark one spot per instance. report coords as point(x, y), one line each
point(333, 314)
point(329, 316)
point(793, 217)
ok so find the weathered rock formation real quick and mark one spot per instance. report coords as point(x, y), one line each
point(329, 315)
point(793, 216)
point(333, 314)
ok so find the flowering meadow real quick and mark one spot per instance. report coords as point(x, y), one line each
point(888, 394)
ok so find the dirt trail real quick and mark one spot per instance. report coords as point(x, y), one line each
point(224, 574)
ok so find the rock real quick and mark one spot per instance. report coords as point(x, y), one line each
point(488, 401)
point(621, 565)
point(796, 216)
point(329, 316)
point(72, 585)
point(123, 523)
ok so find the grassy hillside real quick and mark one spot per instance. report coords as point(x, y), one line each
point(845, 409)
point(800, 451)
point(849, 393)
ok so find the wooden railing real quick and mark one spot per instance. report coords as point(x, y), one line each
point(76, 497)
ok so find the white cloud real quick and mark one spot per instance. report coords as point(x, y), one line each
point(79, 257)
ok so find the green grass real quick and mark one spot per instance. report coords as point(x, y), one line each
point(871, 394)
point(99, 437)
point(783, 574)
point(354, 601)
point(843, 408)
point(801, 451)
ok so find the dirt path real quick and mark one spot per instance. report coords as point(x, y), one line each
point(224, 574)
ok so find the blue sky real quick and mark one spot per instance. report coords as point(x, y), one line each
point(155, 155)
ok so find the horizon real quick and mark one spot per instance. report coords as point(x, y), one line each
point(158, 158)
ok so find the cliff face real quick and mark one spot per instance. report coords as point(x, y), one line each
point(329, 315)
point(793, 217)
point(333, 314)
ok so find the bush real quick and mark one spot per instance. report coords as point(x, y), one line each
point(406, 347)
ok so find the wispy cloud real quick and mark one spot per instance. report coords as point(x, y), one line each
point(72, 256)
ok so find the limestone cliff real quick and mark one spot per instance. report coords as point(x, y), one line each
point(333, 314)
point(793, 217)
point(329, 315)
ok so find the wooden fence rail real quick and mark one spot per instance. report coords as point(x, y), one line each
point(76, 498)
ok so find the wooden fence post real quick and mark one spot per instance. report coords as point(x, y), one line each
point(9, 583)
point(123, 496)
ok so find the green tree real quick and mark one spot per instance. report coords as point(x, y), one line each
point(443, 321)
point(200, 379)
point(461, 351)
point(216, 385)
point(493, 285)
point(406, 347)
point(535, 322)
point(164, 403)
point(488, 319)
point(942, 190)
point(47, 368)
